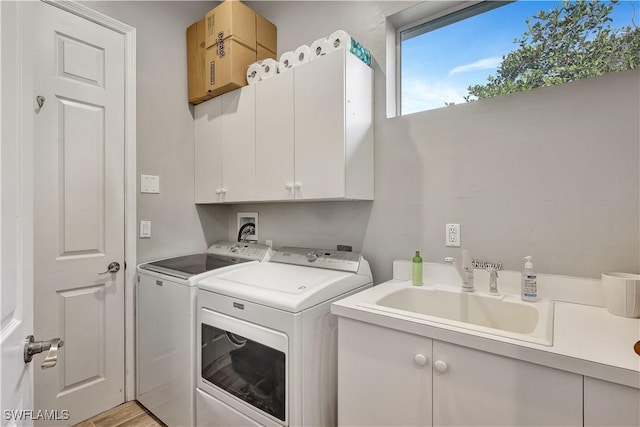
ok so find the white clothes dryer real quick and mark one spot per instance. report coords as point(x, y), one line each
point(268, 342)
point(166, 325)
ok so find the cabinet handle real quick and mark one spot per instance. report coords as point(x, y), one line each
point(420, 360)
point(441, 366)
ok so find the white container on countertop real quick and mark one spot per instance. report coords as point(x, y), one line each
point(622, 293)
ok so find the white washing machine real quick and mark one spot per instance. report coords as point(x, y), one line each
point(267, 352)
point(166, 325)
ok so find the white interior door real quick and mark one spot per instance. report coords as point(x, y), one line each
point(16, 250)
point(79, 211)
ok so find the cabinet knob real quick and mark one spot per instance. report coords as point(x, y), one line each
point(218, 191)
point(297, 185)
point(441, 366)
point(420, 360)
point(224, 190)
point(288, 186)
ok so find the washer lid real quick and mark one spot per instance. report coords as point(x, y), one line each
point(186, 266)
point(288, 287)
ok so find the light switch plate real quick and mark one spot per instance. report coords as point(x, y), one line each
point(452, 235)
point(150, 184)
point(145, 229)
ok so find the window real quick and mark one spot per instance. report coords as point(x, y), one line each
point(496, 47)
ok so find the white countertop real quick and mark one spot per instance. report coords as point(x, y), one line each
point(588, 340)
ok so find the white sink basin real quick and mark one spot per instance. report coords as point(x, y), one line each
point(503, 315)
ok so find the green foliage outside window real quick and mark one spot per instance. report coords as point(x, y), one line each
point(571, 42)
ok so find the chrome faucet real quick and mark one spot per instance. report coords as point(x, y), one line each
point(493, 280)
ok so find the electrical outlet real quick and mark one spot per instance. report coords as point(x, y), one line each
point(452, 235)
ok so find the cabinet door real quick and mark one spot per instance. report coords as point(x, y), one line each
point(238, 144)
point(480, 389)
point(319, 127)
point(608, 404)
point(384, 376)
point(208, 151)
point(274, 138)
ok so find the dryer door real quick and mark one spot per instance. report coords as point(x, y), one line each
point(245, 361)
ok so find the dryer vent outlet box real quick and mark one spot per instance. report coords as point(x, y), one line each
point(245, 218)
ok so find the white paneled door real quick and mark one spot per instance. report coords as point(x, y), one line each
point(79, 211)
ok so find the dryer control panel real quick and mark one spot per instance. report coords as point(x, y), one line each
point(319, 258)
point(243, 250)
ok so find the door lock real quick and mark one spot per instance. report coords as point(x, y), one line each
point(31, 347)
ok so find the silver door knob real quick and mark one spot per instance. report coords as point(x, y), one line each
point(31, 347)
point(113, 267)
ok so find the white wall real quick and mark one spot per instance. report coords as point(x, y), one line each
point(576, 147)
point(552, 173)
point(165, 131)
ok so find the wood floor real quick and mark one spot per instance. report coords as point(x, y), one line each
point(129, 414)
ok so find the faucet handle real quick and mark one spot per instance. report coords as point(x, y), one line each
point(493, 280)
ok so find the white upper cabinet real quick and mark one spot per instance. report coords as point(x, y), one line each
point(225, 148)
point(306, 134)
point(274, 138)
point(208, 151)
point(239, 144)
point(334, 128)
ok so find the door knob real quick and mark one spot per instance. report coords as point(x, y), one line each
point(113, 267)
point(31, 347)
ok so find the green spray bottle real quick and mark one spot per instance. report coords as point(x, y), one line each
point(416, 271)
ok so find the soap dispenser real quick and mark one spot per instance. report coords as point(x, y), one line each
point(529, 282)
point(416, 271)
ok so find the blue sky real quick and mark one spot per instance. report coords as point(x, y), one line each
point(439, 65)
